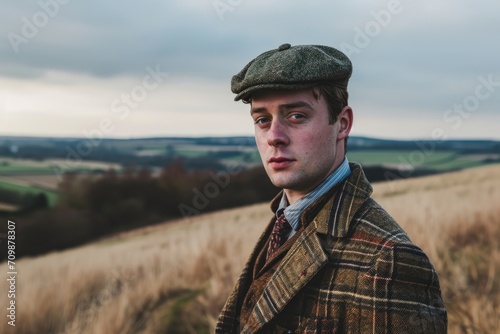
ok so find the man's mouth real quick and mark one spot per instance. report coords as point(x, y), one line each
point(280, 162)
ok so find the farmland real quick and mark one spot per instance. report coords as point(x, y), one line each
point(68, 153)
point(27, 176)
point(24, 188)
point(175, 277)
point(438, 160)
point(36, 165)
point(49, 166)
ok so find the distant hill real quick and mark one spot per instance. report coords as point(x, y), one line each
point(47, 159)
point(355, 142)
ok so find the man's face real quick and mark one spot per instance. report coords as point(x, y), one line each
point(297, 145)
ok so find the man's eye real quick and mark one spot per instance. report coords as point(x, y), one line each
point(297, 116)
point(261, 120)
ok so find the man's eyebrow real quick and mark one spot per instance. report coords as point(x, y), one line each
point(284, 107)
point(257, 110)
point(298, 104)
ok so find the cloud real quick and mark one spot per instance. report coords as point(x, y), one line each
point(425, 57)
point(112, 38)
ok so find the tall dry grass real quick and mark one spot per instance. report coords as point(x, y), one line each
point(455, 218)
point(169, 277)
point(174, 278)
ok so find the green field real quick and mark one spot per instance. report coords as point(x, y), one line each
point(16, 169)
point(11, 166)
point(379, 157)
point(191, 153)
point(137, 149)
point(52, 196)
point(438, 160)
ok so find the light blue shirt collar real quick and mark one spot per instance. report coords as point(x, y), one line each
point(294, 211)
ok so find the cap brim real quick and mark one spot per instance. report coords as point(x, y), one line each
point(248, 92)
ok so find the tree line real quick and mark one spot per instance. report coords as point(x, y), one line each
point(94, 206)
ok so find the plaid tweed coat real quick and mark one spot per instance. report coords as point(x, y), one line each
point(351, 269)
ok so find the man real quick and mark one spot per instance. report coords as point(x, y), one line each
point(331, 260)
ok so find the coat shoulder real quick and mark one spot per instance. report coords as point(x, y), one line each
point(374, 220)
point(379, 242)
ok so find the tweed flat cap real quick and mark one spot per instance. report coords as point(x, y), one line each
point(292, 67)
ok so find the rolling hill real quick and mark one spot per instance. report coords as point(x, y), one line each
point(175, 277)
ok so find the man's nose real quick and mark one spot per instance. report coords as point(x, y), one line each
point(277, 134)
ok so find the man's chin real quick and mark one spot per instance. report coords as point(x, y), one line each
point(283, 181)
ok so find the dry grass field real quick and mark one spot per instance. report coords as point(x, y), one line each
point(174, 278)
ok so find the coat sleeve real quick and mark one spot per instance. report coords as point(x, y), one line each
point(406, 295)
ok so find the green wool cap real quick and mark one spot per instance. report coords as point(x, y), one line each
point(292, 67)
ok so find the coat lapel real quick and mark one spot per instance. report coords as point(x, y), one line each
point(230, 314)
point(304, 259)
point(309, 253)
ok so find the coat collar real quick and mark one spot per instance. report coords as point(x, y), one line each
point(333, 211)
point(330, 216)
point(336, 215)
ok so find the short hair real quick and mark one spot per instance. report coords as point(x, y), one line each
point(336, 99)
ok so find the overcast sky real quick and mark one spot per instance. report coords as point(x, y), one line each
point(422, 69)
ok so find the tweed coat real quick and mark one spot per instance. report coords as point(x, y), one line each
point(351, 269)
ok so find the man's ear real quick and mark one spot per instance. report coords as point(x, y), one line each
point(344, 121)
